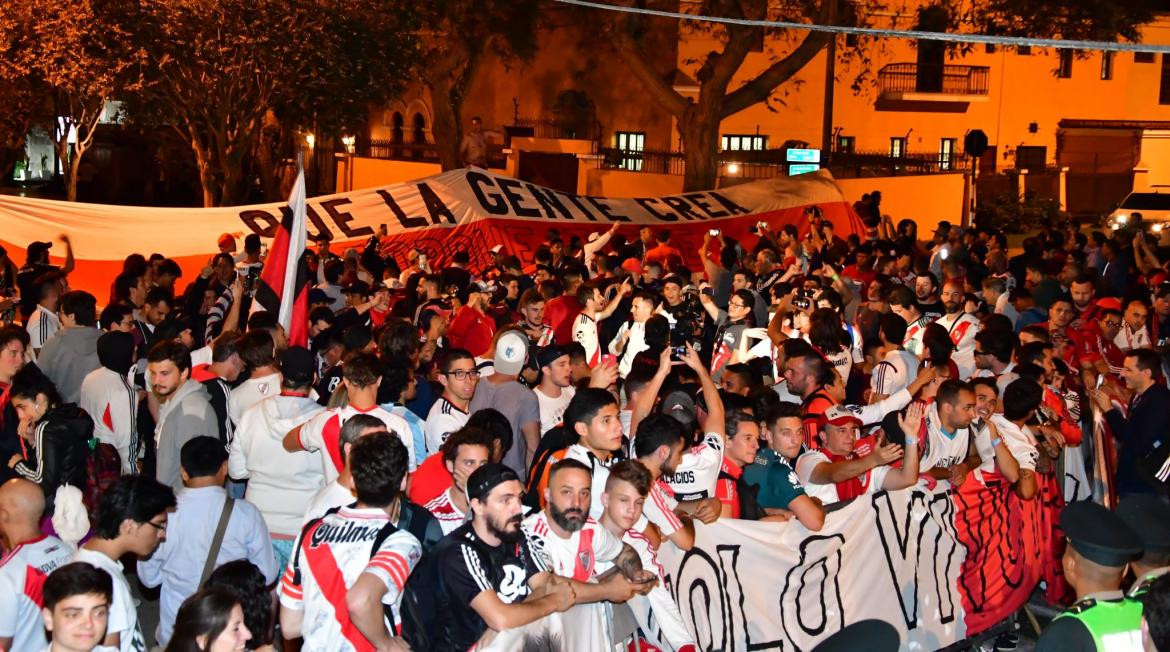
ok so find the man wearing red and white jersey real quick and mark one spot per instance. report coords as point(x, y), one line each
point(961, 326)
point(29, 558)
point(572, 544)
point(903, 304)
point(464, 451)
point(626, 493)
point(343, 585)
point(593, 310)
point(593, 416)
point(362, 373)
point(109, 398)
point(946, 431)
point(809, 376)
point(696, 474)
point(458, 376)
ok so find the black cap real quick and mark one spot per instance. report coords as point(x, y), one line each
point(317, 295)
point(1099, 535)
point(549, 354)
point(37, 249)
point(297, 365)
point(358, 287)
point(485, 478)
point(871, 635)
point(943, 225)
point(1149, 517)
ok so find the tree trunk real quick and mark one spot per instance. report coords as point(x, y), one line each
point(446, 126)
point(700, 140)
point(71, 174)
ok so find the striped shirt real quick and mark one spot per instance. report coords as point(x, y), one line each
point(42, 325)
point(444, 418)
point(446, 513)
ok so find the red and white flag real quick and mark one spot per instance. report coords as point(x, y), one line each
point(284, 282)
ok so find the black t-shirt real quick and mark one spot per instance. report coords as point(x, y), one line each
point(328, 382)
point(471, 567)
point(932, 310)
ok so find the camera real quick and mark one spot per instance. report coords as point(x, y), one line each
point(678, 351)
point(802, 303)
point(714, 233)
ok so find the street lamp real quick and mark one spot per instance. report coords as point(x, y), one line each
point(348, 142)
point(733, 168)
point(310, 140)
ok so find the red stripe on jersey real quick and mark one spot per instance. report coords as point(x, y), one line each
point(656, 496)
point(107, 418)
point(330, 433)
point(584, 562)
point(34, 583)
point(331, 583)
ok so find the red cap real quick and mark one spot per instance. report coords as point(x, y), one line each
point(227, 240)
point(1106, 303)
point(632, 265)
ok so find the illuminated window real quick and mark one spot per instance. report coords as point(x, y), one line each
point(845, 144)
point(631, 144)
point(741, 142)
point(946, 154)
point(1106, 65)
point(897, 147)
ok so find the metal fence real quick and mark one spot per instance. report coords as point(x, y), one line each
point(877, 163)
point(389, 149)
point(947, 80)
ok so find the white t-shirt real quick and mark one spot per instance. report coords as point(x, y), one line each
point(658, 508)
point(552, 410)
point(42, 325)
point(585, 332)
point(871, 480)
point(943, 449)
point(330, 496)
point(1020, 442)
point(896, 371)
point(22, 574)
point(249, 393)
point(576, 556)
point(322, 431)
point(444, 418)
point(123, 615)
point(449, 516)
point(696, 475)
point(962, 329)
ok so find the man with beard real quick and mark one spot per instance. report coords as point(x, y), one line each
point(572, 544)
point(926, 291)
point(807, 377)
point(961, 326)
point(184, 411)
point(496, 587)
point(947, 430)
point(1059, 326)
point(592, 416)
point(463, 452)
point(1083, 291)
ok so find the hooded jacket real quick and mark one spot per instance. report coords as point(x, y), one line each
point(110, 399)
point(279, 483)
point(67, 357)
point(186, 414)
point(58, 452)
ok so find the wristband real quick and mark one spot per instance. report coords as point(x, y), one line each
point(996, 442)
point(911, 442)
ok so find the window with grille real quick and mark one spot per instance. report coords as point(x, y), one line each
point(897, 147)
point(631, 144)
point(946, 154)
point(742, 142)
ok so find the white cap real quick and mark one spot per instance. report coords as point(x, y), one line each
point(593, 236)
point(511, 353)
point(496, 249)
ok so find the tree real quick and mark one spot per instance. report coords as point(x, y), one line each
point(699, 119)
point(74, 52)
point(460, 34)
point(223, 70)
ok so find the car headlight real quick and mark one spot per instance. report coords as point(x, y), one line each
point(1115, 226)
point(1157, 228)
point(1122, 219)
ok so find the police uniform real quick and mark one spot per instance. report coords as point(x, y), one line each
point(1149, 517)
point(1105, 621)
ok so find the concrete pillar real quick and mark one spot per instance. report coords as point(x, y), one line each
point(1063, 189)
point(1021, 184)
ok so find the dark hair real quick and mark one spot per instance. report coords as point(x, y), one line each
point(77, 578)
point(892, 327)
point(352, 429)
point(585, 405)
point(949, 391)
point(986, 381)
point(81, 305)
point(173, 351)
point(138, 498)
point(495, 424)
point(257, 349)
point(225, 346)
point(125, 282)
point(818, 367)
point(202, 456)
point(397, 342)
point(205, 614)
point(31, 381)
point(784, 410)
point(454, 355)
point(732, 420)
point(631, 471)
point(378, 463)
point(395, 379)
point(157, 295)
point(322, 313)
point(1020, 398)
point(825, 331)
point(1032, 352)
point(902, 297)
point(361, 369)
point(749, 374)
point(585, 293)
point(1147, 360)
point(244, 580)
point(999, 344)
point(465, 436)
point(262, 320)
point(169, 267)
point(1156, 612)
point(113, 314)
point(566, 464)
point(655, 431)
point(1039, 332)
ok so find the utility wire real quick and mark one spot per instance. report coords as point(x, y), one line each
point(1017, 41)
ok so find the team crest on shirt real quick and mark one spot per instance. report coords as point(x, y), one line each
point(585, 558)
point(263, 387)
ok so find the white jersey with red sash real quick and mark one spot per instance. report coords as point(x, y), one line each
point(962, 328)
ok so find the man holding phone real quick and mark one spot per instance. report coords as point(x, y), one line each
point(731, 324)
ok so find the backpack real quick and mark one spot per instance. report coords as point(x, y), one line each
point(379, 539)
point(425, 603)
point(103, 467)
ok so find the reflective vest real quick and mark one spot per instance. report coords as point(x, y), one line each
point(1115, 625)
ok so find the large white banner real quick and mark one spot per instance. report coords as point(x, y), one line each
point(892, 556)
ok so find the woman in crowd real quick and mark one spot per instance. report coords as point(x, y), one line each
point(244, 580)
point(212, 620)
point(54, 436)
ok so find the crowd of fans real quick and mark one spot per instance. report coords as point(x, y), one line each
point(493, 456)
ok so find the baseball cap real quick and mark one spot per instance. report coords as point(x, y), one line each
point(358, 287)
point(36, 249)
point(497, 249)
point(549, 354)
point(227, 240)
point(488, 477)
point(632, 265)
point(1106, 303)
point(841, 415)
point(297, 365)
point(594, 236)
point(680, 406)
point(511, 352)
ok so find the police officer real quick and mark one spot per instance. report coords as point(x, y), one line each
point(1101, 545)
point(1149, 517)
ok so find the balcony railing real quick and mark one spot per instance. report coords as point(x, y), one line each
point(880, 163)
point(552, 128)
point(900, 78)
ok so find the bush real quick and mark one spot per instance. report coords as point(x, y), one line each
point(1007, 213)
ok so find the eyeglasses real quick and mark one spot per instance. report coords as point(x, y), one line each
point(977, 352)
point(1112, 324)
point(160, 528)
point(463, 374)
point(737, 305)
